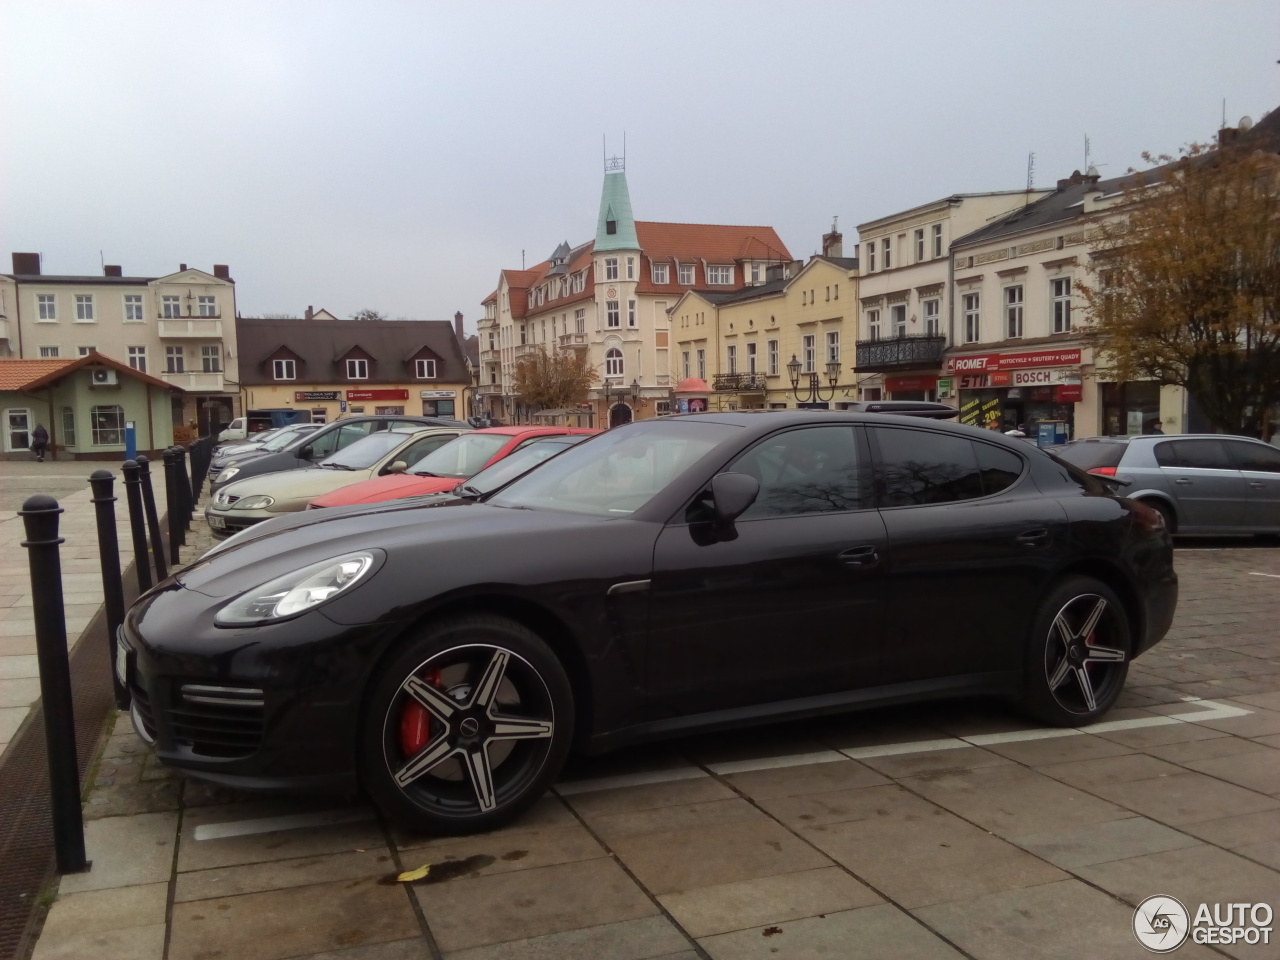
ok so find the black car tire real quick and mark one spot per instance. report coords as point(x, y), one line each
point(514, 732)
point(1166, 511)
point(1075, 670)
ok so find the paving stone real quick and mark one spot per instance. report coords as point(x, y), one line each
point(935, 762)
point(1185, 798)
point(665, 819)
point(17, 668)
point(1087, 773)
point(1194, 875)
point(20, 692)
point(1238, 831)
point(1059, 749)
point(1259, 723)
point(415, 949)
point(126, 852)
point(280, 845)
point(653, 938)
point(278, 874)
point(1205, 749)
point(1258, 771)
point(547, 814)
point(534, 903)
point(725, 907)
point(286, 923)
point(116, 908)
point(134, 943)
point(118, 796)
point(1142, 737)
point(649, 796)
point(1102, 842)
point(885, 802)
point(881, 932)
point(808, 778)
point(509, 850)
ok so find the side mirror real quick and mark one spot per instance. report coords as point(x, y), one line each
point(398, 467)
point(731, 494)
point(306, 453)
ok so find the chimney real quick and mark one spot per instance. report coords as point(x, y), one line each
point(833, 242)
point(112, 270)
point(27, 264)
point(1076, 178)
point(310, 314)
point(457, 325)
point(222, 271)
point(1227, 135)
point(181, 267)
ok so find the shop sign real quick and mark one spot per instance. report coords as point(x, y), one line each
point(897, 384)
point(987, 362)
point(300, 396)
point(945, 386)
point(377, 395)
point(438, 394)
point(1044, 377)
point(1068, 393)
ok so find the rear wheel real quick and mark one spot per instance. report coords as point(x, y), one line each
point(466, 726)
point(1166, 511)
point(1078, 654)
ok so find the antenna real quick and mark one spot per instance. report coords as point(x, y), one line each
point(522, 259)
point(1031, 171)
point(1087, 151)
point(1224, 114)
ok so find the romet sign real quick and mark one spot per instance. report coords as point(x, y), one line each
point(988, 362)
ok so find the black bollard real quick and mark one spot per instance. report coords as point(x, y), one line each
point(153, 519)
point(40, 518)
point(188, 502)
point(101, 481)
point(171, 505)
point(137, 523)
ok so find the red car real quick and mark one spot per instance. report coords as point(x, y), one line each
point(445, 467)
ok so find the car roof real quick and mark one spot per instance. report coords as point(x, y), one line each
point(518, 429)
point(761, 422)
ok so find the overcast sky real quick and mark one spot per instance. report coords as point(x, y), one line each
point(397, 155)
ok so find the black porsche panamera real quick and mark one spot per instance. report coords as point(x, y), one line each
point(672, 575)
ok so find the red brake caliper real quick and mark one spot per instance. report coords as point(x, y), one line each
point(415, 721)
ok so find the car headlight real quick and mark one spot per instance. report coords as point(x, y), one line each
point(299, 591)
point(226, 475)
point(253, 503)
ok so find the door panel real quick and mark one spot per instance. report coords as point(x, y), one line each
point(1210, 491)
point(1259, 464)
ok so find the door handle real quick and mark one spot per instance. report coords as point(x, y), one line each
point(1183, 480)
point(1256, 484)
point(1033, 538)
point(864, 556)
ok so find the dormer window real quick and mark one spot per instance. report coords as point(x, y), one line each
point(357, 369)
point(425, 369)
point(611, 227)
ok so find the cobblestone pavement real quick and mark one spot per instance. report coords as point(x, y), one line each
point(949, 830)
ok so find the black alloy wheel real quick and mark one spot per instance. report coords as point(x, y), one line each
point(466, 726)
point(1079, 653)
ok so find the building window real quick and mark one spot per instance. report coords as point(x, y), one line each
point(932, 318)
point(133, 307)
point(684, 364)
point(48, 309)
point(357, 369)
point(871, 257)
point(138, 358)
point(1062, 305)
point(173, 360)
point(972, 325)
point(580, 320)
point(828, 293)
point(565, 286)
point(937, 240)
point(837, 294)
point(631, 268)
point(721, 276)
point(1013, 312)
point(631, 313)
point(702, 364)
point(686, 274)
point(170, 307)
point(580, 281)
point(48, 353)
point(809, 351)
point(887, 252)
point(751, 359)
point(773, 358)
point(755, 273)
point(919, 245)
point(284, 370)
point(211, 358)
point(613, 362)
point(611, 313)
point(732, 353)
point(873, 324)
point(524, 334)
point(85, 351)
point(424, 369)
point(898, 312)
point(108, 424)
point(833, 346)
point(492, 338)
point(661, 272)
point(611, 268)
point(68, 427)
point(84, 306)
point(207, 306)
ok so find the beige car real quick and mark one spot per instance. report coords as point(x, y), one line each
point(246, 502)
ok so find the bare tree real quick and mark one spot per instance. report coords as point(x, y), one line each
point(368, 314)
point(549, 381)
point(280, 316)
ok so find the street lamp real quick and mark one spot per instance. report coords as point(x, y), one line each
point(635, 392)
point(813, 392)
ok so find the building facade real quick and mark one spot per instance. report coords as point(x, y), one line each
point(609, 299)
point(178, 328)
point(333, 368)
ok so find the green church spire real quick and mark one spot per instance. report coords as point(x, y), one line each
point(616, 229)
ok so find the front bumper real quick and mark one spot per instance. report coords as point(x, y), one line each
point(274, 707)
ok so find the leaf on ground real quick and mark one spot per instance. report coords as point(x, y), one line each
point(411, 875)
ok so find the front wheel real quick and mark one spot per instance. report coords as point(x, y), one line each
point(466, 726)
point(1078, 655)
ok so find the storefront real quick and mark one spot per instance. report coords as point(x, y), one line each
point(440, 403)
point(1130, 408)
point(920, 386)
point(1007, 391)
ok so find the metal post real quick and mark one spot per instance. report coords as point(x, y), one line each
point(184, 487)
point(101, 481)
point(40, 518)
point(137, 523)
point(153, 521)
point(171, 507)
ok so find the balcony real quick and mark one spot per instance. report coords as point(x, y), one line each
point(195, 382)
point(573, 341)
point(900, 353)
point(526, 350)
point(489, 390)
point(190, 328)
point(489, 356)
point(739, 383)
point(4, 328)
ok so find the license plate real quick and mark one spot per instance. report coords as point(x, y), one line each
point(217, 523)
point(122, 664)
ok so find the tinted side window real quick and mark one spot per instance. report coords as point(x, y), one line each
point(1204, 454)
point(918, 467)
point(323, 444)
point(1255, 456)
point(352, 432)
point(811, 470)
point(416, 451)
point(1000, 468)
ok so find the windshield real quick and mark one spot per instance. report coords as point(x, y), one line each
point(365, 452)
point(461, 458)
point(519, 462)
point(619, 471)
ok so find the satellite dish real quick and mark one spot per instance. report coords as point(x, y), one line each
point(1246, 123)
point(1092, 171)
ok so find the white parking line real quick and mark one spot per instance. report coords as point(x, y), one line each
point(897, 749)
point(1275, 575)
point(774, 763)
point(244, 828)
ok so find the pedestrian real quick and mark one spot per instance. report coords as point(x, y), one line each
point(1156, 427)
point(39, 442)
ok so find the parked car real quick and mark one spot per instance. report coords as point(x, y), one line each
point(671, 575)
point(329, 439)
point(1201, 483)
point(226, 451)
point(243, 503)
point(444, 469)
point(260, 421)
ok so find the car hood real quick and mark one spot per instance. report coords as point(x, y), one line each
point(393, 487)
point(243, 456)
point(297, 484)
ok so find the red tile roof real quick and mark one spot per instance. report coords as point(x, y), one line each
point(30, 375)
point(16, 374)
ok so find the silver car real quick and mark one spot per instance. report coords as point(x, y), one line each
point(1202, 483)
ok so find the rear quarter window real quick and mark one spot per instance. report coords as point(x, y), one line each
point(1089, 456)
point(1000, 468)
